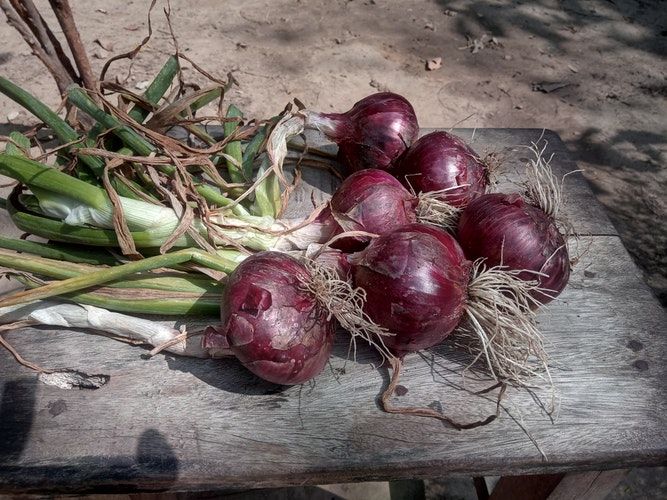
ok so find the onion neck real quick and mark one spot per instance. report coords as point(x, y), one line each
point(433, 210)
point(299, 235)
point(334, 125)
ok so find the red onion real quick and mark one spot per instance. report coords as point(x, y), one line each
point(419, 285)
point(273, 325)
point(441, 162)
point(506, 229)
point(374, 201)
point(373, 134)
point(416, 280)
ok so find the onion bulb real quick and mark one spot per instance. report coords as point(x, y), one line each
point(276, 327)
point(522, 232)
point(507, 230)
point(443, 164)
point(420, 287)
point(374, 133)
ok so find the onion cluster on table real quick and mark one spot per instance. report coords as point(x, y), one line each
point(415, 276)
point(402, 247)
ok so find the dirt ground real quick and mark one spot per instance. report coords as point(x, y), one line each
point(607, 57)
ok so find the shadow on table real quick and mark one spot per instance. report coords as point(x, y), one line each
point(17, 408)
point(630, 170)
point(227, 374)
point(153, 467)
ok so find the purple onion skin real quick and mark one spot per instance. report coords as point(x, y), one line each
point(374, 201)
point(416, 280)
point(443, 161)
point(375, 132)
point(531, 240)
point(275, 328)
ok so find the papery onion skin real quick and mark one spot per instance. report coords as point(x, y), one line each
point(415, 279)
point(335, 260)
point(374, 201)
point(273, 325)
point(505, 228)
point(439, 161)
point(374, 133)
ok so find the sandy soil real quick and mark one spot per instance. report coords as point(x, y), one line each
point(610, 55)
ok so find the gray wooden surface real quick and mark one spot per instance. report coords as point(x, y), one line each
point(183, 424)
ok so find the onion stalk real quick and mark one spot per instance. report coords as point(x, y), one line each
point(79, 204)
point(224, 261)
point(121, 326)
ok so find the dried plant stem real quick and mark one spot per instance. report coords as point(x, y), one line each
point(396, 365)
point(53, 64)
point(29, 13)
point(65, 17)
point(133, 53)
point(20, 359)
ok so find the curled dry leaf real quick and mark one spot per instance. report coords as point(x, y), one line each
point(73, 379)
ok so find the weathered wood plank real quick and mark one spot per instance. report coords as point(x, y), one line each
point(590, 485)
point(174, 423)
point(594, 485)
point(185, 423)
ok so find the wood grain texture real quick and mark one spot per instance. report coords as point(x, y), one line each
point(596, 485)
point(172, 423)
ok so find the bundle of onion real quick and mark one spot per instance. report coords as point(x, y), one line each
point(278, 314)
point(146, 194)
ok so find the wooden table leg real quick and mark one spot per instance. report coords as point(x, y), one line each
point(589, 485)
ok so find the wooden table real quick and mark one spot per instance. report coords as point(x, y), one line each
point(171, 423)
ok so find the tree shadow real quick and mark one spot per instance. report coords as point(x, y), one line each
point(634, 159)
point(479, 17)
point(608, 153)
